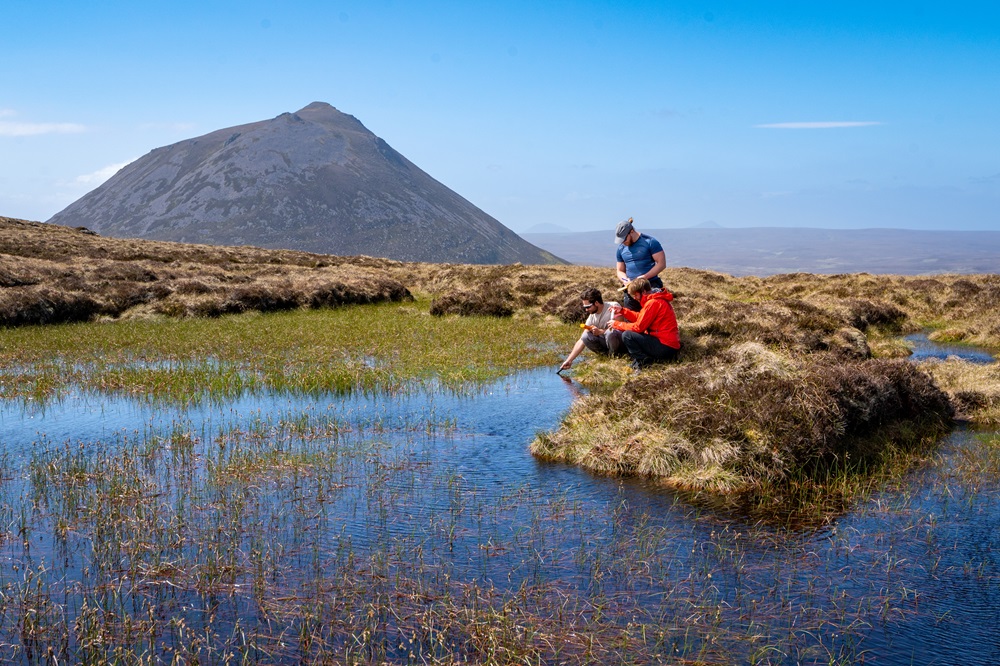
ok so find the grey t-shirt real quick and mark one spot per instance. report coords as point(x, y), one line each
point(601, 319)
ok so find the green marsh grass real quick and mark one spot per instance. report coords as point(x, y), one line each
point(375, 349)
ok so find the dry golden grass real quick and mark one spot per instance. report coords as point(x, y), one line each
point(750, 416)
point(974, 389)
point(50, 273)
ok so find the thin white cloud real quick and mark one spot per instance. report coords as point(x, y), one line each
point(13, 128)
point(101, 175)
point(827, 124)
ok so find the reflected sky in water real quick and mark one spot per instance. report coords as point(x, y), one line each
point(442, 482)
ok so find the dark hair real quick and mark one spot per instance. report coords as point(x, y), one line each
point(592, 295)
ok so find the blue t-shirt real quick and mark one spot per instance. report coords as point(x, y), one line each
point(638, 257)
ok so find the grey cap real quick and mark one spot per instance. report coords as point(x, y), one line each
point(622, 231)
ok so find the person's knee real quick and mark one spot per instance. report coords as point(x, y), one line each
point(631, 337)
point(594, 343)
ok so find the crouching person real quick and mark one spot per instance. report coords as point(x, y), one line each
point(650, 335)
point(598, 337)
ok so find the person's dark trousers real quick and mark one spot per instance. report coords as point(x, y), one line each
point(631, 303)
point(646, 349)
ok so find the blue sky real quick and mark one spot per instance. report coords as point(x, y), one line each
point(575, 114)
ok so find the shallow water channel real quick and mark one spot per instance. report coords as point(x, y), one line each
point(417, 527)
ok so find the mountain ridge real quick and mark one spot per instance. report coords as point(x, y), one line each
point(315, 180)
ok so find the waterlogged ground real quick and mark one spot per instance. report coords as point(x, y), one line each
point(415, 528)
point(923, 349)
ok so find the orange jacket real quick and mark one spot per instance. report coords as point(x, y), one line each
point(655, 318)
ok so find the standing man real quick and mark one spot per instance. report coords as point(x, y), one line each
point(639, 256)
point(599, 337)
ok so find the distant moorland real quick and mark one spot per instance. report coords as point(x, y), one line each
point(771, 250)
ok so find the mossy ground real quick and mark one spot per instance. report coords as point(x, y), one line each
point(369, 348)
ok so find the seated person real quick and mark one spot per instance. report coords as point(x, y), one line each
point(649, 335)
point(600, 338)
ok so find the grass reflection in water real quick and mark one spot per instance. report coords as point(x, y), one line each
point(418, 528)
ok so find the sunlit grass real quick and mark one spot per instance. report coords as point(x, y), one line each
point(371, 348)
point(974, 388)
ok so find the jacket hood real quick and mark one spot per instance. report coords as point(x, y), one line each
point(658, 295)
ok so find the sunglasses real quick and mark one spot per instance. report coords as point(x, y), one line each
point(587, 306)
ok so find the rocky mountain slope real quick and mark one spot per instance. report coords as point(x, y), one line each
point(316, 180)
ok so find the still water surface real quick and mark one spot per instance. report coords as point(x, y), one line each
point(923, 349)
point(437, 486)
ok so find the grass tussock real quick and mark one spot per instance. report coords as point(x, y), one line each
point(750, 416)
point(51, 274)
point(490, 300)
point(974, 388)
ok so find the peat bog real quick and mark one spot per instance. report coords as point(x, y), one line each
point(416, 527)
point(244, 471)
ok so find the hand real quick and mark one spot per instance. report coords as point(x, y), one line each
point(566, 365)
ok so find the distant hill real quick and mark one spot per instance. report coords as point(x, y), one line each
point(770, 250)
point(316, 180)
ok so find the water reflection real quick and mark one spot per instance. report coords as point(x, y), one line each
point(371, 513)
point(924, 349)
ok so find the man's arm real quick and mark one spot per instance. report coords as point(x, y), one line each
point(660, 262)
point(577, 348)
point(622, 275)
point(642, 320)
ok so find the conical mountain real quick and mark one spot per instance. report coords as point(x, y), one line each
point(315, 180)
